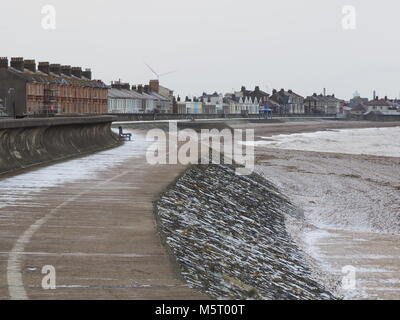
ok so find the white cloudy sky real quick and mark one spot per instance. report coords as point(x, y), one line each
point(216, 44)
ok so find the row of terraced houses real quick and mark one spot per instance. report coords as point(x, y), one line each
point(30, 89)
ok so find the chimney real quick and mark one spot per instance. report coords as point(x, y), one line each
point(147, 89)
point(66, 70)
point(155, 85)
point(134, 88)
point(243, 89)
point(324, 92)
point(55, 68)
point(77, 72)
point(44, 67)
point(30, 65)
point(125, 86)
point(140, 88)
point(257, 89)
point(3, 63)
point(87, 74)
point(374, 95)
point(18, 63)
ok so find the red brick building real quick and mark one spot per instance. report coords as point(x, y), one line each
point(50, 89)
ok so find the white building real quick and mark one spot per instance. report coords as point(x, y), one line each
point(239, 105)
point(215, 99)
point(124, 101)
point(381, 105)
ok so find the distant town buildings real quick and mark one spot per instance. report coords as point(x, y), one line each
point(191, 107)
point(362, 107)
point(122, 98)
point(27, 89)
point(378, 105)
point(289, 101)
point(213, 103)
point(322, 104)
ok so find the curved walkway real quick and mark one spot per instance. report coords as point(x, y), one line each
point(92, 219)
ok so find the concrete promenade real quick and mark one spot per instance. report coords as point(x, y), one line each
point(92, 219)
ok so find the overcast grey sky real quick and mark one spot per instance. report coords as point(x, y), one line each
point(216, 45)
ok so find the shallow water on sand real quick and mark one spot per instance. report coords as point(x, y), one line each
point(351, 205)
point(375, 258)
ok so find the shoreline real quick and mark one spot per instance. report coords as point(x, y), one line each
point(273, 129)
point(351, 204)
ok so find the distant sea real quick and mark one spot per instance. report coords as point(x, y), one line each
point(370, 141)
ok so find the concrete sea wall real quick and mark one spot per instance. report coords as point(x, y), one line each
point(174, 116)
point(205, 116)
point(227, 234)
point(28, 142)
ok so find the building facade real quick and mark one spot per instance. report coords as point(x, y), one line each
point(164, 97)
point(190, 107)
point(322, 104)
point(290, 102)
point(378, 105)
point(121, 99)
point(241, 105)
point(214, 103)
point(257, 94)
point(50, 89)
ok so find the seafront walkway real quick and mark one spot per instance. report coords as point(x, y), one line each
point(92, 220)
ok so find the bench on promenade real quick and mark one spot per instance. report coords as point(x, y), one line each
point(124, 136)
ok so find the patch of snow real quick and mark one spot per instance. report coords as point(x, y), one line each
point(20, 187)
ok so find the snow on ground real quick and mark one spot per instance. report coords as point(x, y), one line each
point(19, 187)
point(351, 202)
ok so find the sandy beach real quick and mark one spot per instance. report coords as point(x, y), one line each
point(351, 205)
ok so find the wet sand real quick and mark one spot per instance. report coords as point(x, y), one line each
point(351, 206)
point(267, 130)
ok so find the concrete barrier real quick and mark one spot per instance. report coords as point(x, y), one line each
point(28, 142)
point(204, 116)
point(197, 125)
point(174, 116)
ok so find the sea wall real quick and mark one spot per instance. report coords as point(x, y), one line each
point(175, 116)
point(205, 116)
point(28, 142)
point(381, 117)
point(227, 234)
point(181, 125)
